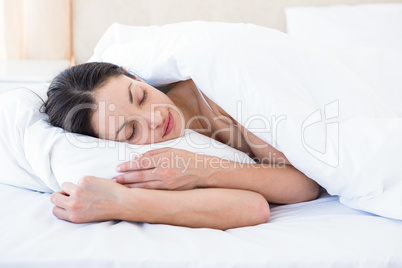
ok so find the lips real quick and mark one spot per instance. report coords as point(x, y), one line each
point(168, 126)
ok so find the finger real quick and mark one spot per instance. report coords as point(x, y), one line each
point(157, 151)
point(60, 213)
point(135, 164)
point(139, 176)
point(128, 166)
point(148, 160)
point(68, 187)
point(141, 163)
point(59, 199)
point(145, 185)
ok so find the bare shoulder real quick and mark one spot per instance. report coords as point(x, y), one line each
point(183, 89)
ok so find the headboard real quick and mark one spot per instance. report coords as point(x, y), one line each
point(92, 17)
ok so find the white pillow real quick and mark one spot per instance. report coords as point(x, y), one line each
point(37, 156)
point(344, 26)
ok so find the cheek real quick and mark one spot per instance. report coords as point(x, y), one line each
point(142, 134)
point(105, 126)
point(179, 123)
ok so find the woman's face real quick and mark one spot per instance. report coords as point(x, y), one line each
point(132, 111)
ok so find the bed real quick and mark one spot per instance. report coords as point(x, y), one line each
point(319, 233)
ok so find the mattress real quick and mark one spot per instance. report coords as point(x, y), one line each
point(320, 233)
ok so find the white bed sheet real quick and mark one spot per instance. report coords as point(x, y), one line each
point(320, 233)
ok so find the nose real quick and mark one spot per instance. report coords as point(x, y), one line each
point(154, 119)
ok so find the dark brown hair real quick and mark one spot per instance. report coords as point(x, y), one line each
point(70, 103)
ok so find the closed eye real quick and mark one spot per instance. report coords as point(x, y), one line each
point(130, 94)
point(133, 133)
point(144, 97)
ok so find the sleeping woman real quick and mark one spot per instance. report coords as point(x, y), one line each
point(105, 101)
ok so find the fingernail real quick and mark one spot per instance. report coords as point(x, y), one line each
point(114, 179)
point(118, 168)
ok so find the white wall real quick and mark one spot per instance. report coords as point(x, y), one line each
point(92, 17)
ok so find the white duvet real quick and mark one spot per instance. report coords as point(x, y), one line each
point(328, 122)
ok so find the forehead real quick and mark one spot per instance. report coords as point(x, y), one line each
point(112, 100)
point(114, 87)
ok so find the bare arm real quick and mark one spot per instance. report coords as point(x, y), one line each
point(175, 169)
point(281, 184)
point(96, 199)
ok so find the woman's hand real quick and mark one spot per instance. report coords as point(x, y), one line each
point(92, 199)
point(167, 169)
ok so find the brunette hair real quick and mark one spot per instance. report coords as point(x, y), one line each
point(70, 103)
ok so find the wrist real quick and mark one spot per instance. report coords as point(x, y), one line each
point(216, 169)
point(126, 204)
point(140, 205)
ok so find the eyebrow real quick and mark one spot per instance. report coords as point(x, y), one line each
point(130, 94)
